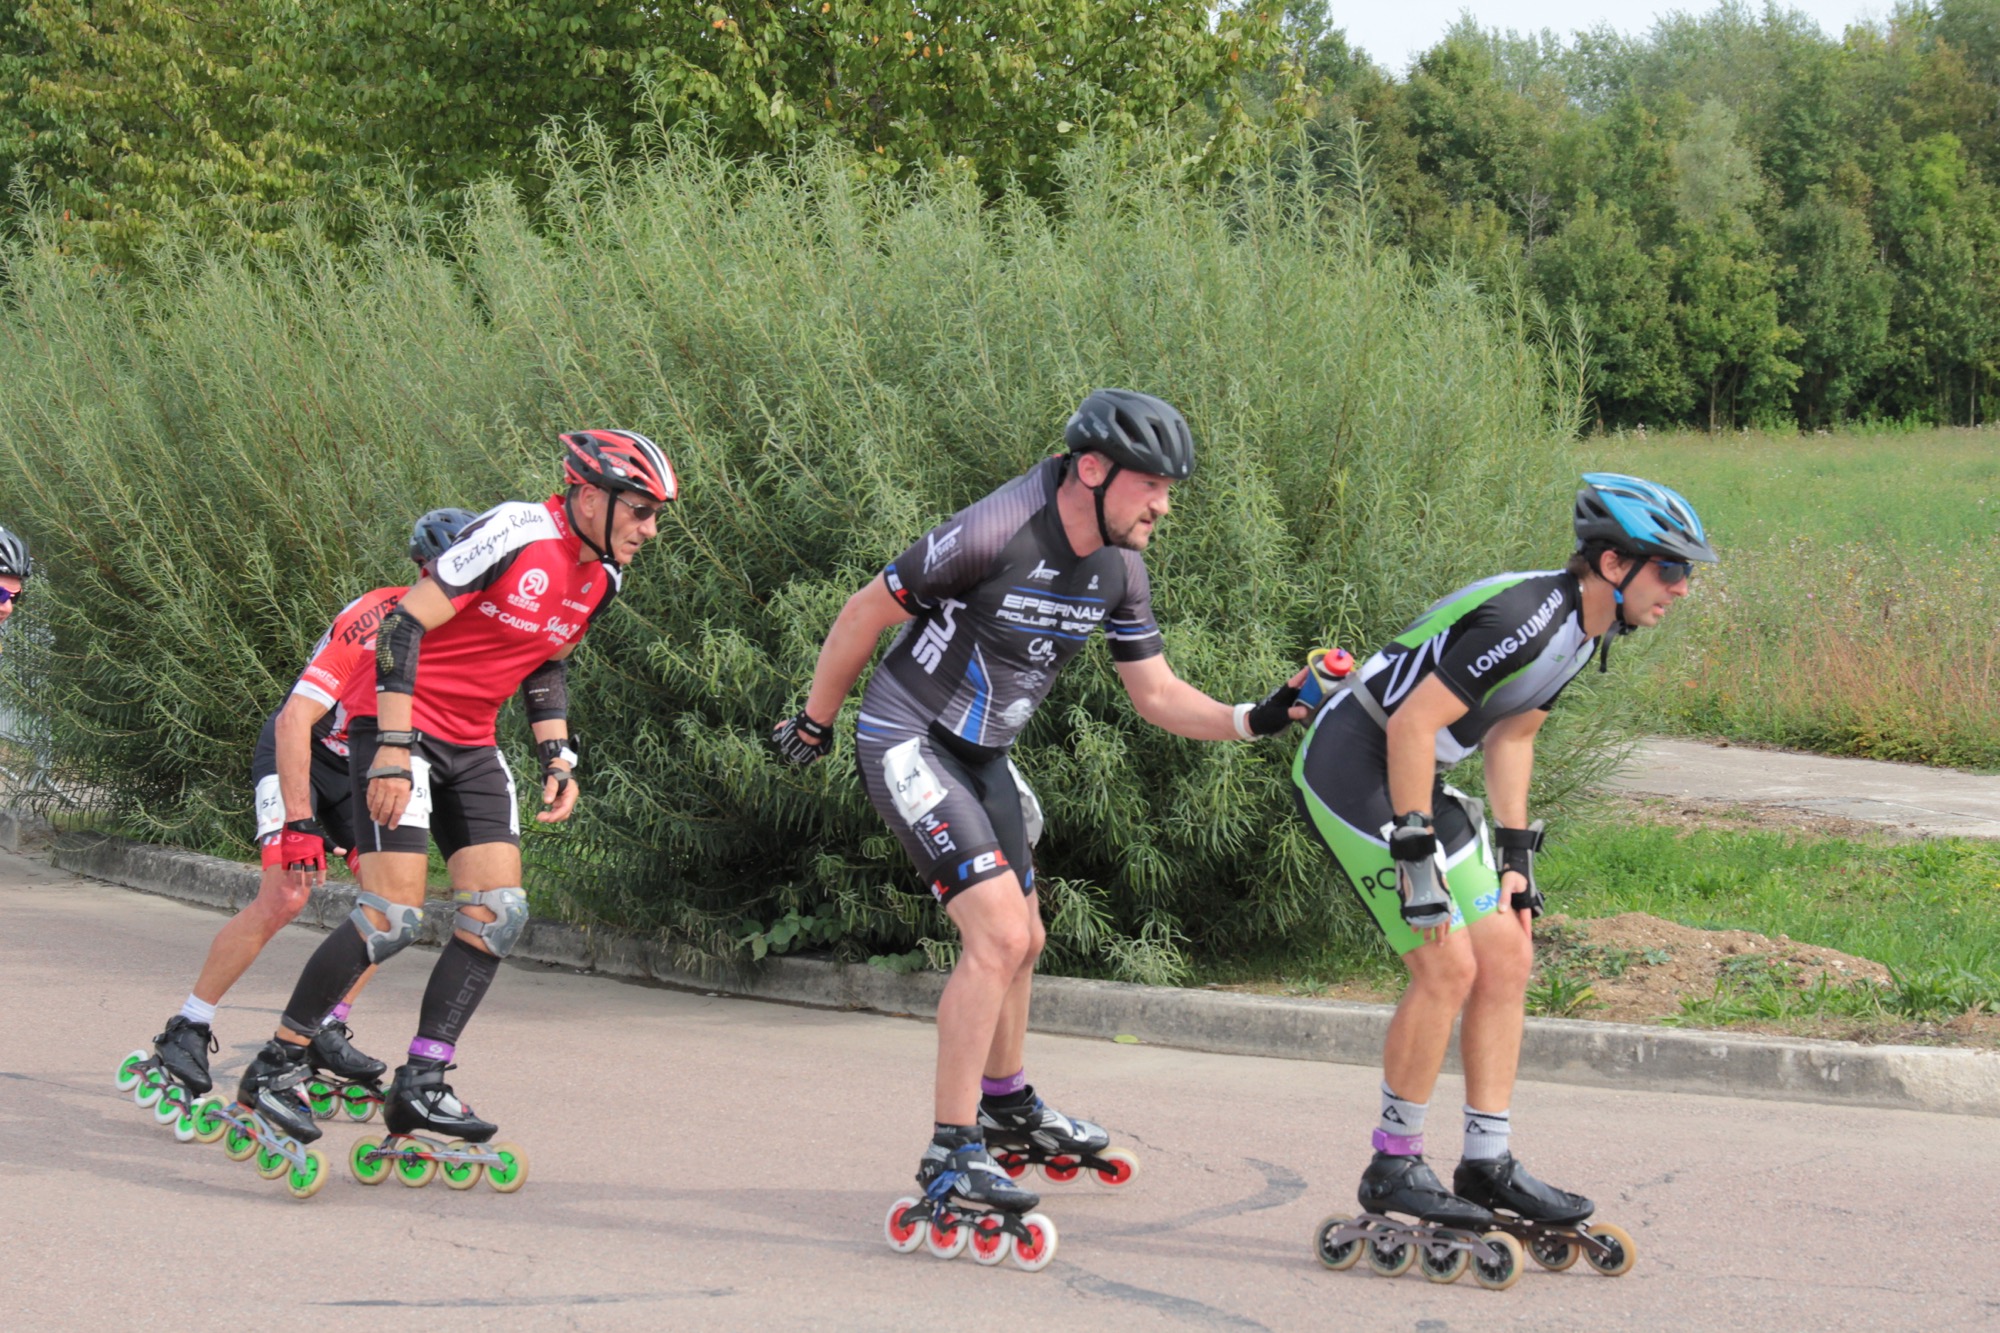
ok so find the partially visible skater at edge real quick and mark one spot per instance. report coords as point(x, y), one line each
point(304, 804)
point(15, 567)
point(501, 610)
point(992, 603)
point(1478, 671)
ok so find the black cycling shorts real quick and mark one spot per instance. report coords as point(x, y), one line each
point(332, 794)
point(461, 796)
point(962, 821)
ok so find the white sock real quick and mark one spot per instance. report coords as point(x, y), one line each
point(1486, 1134)
point(1401, 1128)
point(197, 1010)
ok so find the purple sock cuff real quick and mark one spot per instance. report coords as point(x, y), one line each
point(423, 1048)
point(1001, 1087)
point(1399, 1145)
point(339, 1012)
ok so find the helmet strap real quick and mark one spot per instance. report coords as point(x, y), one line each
point(569, 512)
point(1621, 625)
point(1103, 528)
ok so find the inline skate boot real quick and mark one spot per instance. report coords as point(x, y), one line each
point(1448, 1236)
point(269, 1121)
point(420, 1103)
point(969, 1202)
point(1549, 1221)
point(1022, 1131)
point(353, 1082)
point(170, 1079)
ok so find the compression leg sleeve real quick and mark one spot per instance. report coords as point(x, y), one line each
point(329, 974)
point(458, 983)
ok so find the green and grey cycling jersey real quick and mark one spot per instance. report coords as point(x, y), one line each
point(1505, 646)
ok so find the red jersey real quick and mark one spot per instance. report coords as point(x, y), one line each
point(522, 595)
point(345, 651)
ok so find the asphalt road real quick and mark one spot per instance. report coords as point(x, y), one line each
point(1914, 799)
point(711, 1163)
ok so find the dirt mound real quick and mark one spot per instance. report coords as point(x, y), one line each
point(1639, 967)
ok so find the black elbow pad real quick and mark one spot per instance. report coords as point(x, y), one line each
point(396, 652)
point(545, 693)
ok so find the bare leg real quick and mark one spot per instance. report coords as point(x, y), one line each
point(1010, 1036)
point(1441, 976)
point(997, 929)
point(244, 935)
point(1489, 1036)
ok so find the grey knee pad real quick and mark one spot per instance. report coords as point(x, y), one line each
point(510, 917)
point(401, 934)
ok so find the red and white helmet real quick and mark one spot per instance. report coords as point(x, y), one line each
point(619, 460)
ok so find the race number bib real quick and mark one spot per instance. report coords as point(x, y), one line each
point(912, 785)
point(418, 813)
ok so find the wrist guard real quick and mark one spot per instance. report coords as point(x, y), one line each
point(800, 740)
point(558, 762)
point(1517, 853)
point(1419, 872)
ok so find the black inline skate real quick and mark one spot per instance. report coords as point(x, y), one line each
point(1549, 1221)
point(269, 1120)
point(1024, 1131)
point(420, 1103)
point(353, 1082)
point(1449, 1234)
point(171, 1078)
point(969, 1202)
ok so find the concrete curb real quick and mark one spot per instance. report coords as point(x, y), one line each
point(1608, 1055)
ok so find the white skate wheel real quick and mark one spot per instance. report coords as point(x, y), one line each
point(1040, 1248)
point(905, 1235)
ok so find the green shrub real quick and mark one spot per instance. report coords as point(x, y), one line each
point(212, 463)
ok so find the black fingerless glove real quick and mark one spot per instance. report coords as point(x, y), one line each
point(800, 740)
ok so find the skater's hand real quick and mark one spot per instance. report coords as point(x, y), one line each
point(388, 798)
point(1511, 883)
point(559, 793)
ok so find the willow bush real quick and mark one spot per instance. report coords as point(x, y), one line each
point(212, 461)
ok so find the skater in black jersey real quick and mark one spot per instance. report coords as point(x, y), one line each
point(991, 604)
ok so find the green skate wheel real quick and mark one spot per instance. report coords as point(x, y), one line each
point(302, 1182)
point(366, 1163)
point(1391, 1258)
point(1337, 1255)
point(511, 1172)
point(320, 1097)
point(130, 1069)
point(904, 1226)
point(1443, 1261)
point(209, 1124)
point(414, 1165)
point(272, 1163)
point(173, 1101)
point(356, 1104)
point(1622, 1254)
point(146, 1092)
point(238, 1143)
point(459, 1175)
point(1498, 1274)
point(1033, 1254)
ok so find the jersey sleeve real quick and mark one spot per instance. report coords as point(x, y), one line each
point(959, 552)
point(345, 647)
point(1499, 638)
point(1130, 629)
point(487, 549)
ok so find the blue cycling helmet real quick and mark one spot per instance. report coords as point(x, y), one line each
point(435, 532)
point(1639, 518)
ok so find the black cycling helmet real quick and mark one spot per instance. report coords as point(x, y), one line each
point(14, 555)
point(435, 532)
point(1133, 430)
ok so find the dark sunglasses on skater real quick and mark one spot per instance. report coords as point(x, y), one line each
point(640, 512)
point(1674, 571)
point(7, 596)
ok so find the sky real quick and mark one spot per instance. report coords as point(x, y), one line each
point(1394, 31)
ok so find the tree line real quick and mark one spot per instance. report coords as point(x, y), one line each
point(1757, 223)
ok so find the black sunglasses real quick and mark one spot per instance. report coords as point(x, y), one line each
point(1674, 571)
point(7, 596)
point(639, 511)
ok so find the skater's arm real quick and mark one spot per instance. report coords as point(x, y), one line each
point(849, 645)
point(548, 704)
point(1510, 764)
point(1413, 730)
point(423, 608)
point(294, 736)
point(1170, 703)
